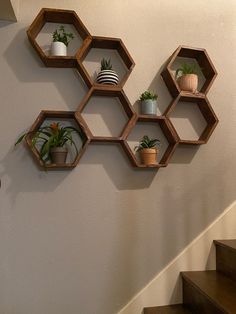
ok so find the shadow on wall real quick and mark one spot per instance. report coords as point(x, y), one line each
point(16, 165)
point(28, 67)
point(119, 170)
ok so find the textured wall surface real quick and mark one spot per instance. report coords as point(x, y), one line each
point(86, 241)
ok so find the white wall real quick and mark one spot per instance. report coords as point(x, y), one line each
point(86, 241)
point(166, 287)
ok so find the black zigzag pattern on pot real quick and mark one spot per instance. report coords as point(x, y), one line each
point(107, 77)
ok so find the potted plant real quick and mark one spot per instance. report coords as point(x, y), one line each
point(148, 102)
point(187, 77)
point(51, 142)
point(107, 75)
point(60, 42)
point(148, 150)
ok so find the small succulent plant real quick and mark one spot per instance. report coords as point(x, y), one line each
point(61, 35)
point(148, 95)
point(186, 68)
point(106, 64)
point(146, 142)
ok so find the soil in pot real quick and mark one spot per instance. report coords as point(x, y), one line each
point(188, 82)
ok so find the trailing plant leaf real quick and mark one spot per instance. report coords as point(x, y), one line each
point(62, 36)
point(54, 135)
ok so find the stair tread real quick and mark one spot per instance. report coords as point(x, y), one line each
point(168, 309)
point(226, 243)
point(218, 288)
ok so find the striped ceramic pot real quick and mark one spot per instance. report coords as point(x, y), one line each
point(109, 77)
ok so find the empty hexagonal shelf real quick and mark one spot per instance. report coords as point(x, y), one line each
point(89, 59)
point(104, 114)
point(45, 24)
point(199, 57)
point(155, 127)
point(65, 118)
point(199, 120)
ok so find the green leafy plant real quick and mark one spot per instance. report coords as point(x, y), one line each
point(61, 35)
point(146, 142)
point(106, 64)
point(186, 68)
point(148, 95)
point(53, 135)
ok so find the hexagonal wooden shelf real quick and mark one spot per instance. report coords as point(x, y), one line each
point(206, 111)
point(105, 92)
point(105, 43)
point(56, 16)
point(168, 132)
point(49, 114)
point(204, 62)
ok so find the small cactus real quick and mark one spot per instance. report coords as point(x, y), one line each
point(106, 64)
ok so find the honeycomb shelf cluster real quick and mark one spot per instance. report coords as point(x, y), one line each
point(89, 42)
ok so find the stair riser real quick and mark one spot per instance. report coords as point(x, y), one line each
point(198, 302)
point(226, 261)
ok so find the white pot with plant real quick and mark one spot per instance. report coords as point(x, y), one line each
point(148, 149)
point(187, 77)
point(60, 42)
point(148, 102)
point(107, 75)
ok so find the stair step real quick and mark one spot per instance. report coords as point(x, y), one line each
point(168, 309)
point(226, 257)
point(230, 244)
point(209, 292)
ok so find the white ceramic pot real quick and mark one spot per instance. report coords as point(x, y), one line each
point(58, 49)
point(149, 106)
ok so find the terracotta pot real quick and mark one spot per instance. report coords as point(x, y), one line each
point(58, 155)
point(58, 49)
point(148, 156)
point(188, 82)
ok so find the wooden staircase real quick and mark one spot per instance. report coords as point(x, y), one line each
point(208, 292)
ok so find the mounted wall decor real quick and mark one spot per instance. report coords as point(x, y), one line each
point(199, 64)
point(98, 88)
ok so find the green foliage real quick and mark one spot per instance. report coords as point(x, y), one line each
point(186, 68)
point(53, 135)
point(146, 142)
point(61, 35)
point(106, 64)
point(148, 95)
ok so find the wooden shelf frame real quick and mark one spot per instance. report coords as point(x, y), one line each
point(204, 62)
point(52, 114)
point(57, 16)
point(105, 43)
point(110, 92)
point(206, 111)
point(168, 132)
